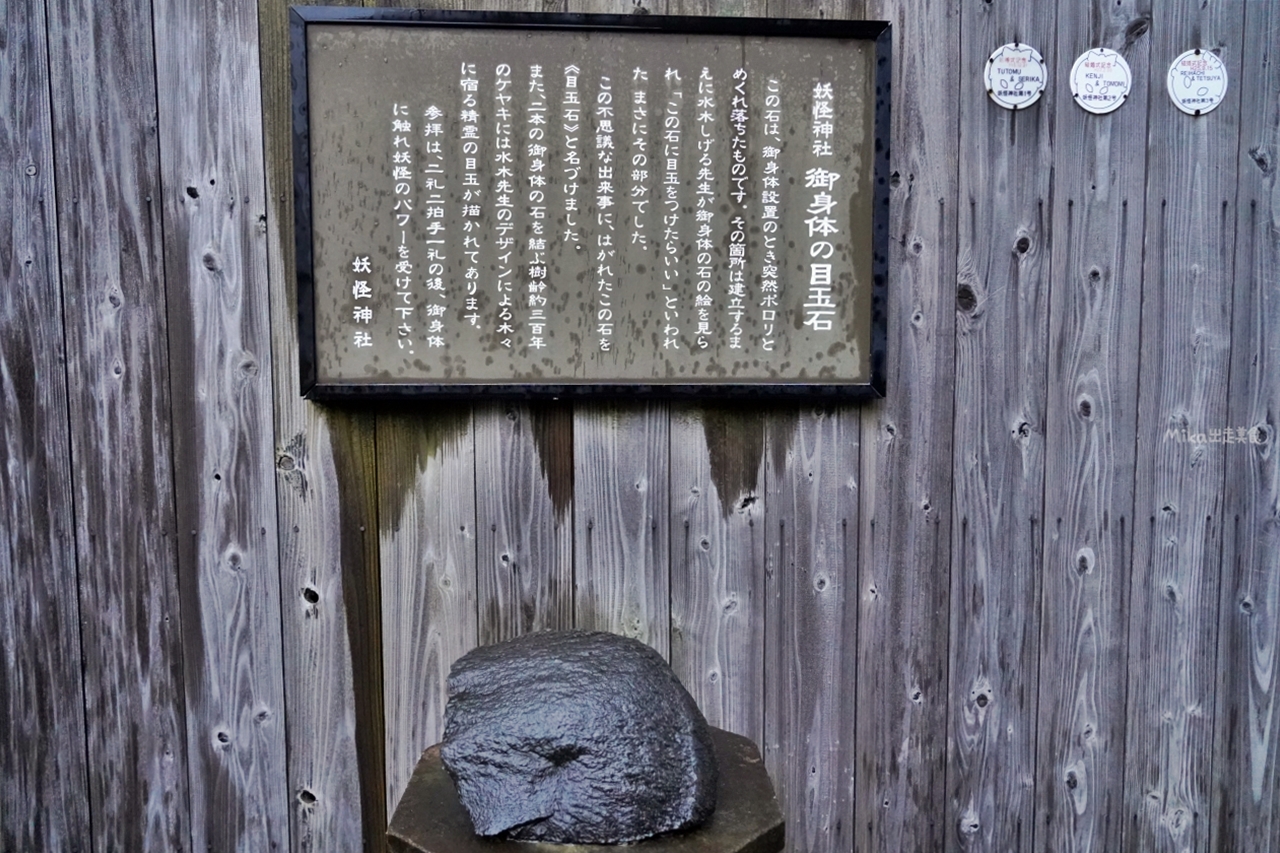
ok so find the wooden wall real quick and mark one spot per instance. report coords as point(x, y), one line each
point(1000, 610)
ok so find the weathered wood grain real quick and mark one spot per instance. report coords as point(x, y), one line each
point(810, 515)
point(484, 548)
point(1178, 495)
point(905, 537)
point(812, 546)
point(605, 7)
point(426, 509)
point(830, 9)
point(1246, 771)
point(108, 190)
point(621, 521)
point(621, 533)
point(997, 522)
point(210, 130)
point(326, 500)
point(44, 783)
point(524, 518)
point(718, 535)
point(376, 512)
point(718, 561)
point(1091, 418)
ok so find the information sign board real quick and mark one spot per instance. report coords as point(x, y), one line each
point(544, 205)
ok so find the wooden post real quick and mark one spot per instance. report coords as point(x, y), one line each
point(109, 197)
point(43, 802)
point(1178, 496)
point(1096, 294)
point(1245, 796)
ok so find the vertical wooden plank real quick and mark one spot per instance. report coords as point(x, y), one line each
point(327, 506)
point(718, 562)
point(621, 518)
point(220, 367)
point(1091, 419)
point(997, 525)
point(811, 515)
point(426, 508)
point(811, 712)
point(611, 7)
point(104, 102)
point(1246, 793)
point(906, 444)
point(622, 580)
point(524, 481)
point(44, 783)
point(524, 519)
point(717, 536)
point(1178, 496)
point(475, 510)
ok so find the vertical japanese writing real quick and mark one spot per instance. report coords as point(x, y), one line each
point(819, 309)
point(605, 249)
point(738, 117)
point(571, 162)
point(504, 203)
point(536, 134)
point(361, 297)
point(402, 178)
point(671, 273)
point(770, 204)
point(705, 212)
point(639, 194)
point(823, 123)
point(471, 207)
point(433, 187)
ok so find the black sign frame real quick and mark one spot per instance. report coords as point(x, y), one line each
point(876, 32)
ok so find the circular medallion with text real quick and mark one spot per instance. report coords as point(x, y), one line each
point(1197, 81)
point(1015, 76)
point(1100, 80)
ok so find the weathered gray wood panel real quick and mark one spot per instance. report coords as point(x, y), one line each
point(621, 517)
point(43, 779)
point(327, 508)
point(622, 576)
point(812, 547)
point(375, 512)
point(718, 563)
point(1099, 168)
point(427, 512)
point(108, 189)
point(718, 535)
point(997, 524)
point(904, 534)
point(524, 519)
point(220, 363)
point(1178, 494)
point(1246, 796)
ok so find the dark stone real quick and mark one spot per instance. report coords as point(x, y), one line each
point(576, 737)
point(747, 819)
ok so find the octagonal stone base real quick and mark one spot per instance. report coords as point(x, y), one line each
point(429, 818)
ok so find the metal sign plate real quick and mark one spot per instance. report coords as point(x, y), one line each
point(1015, 76)
point(1197, 81)
point(1100, 80)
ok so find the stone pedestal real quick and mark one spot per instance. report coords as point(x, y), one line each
point(429, 818)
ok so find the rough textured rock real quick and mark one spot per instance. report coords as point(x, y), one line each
point(576, 737)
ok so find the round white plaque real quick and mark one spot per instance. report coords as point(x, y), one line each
point(1100, 80)
point(1015, 76)
point(1197, 81)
